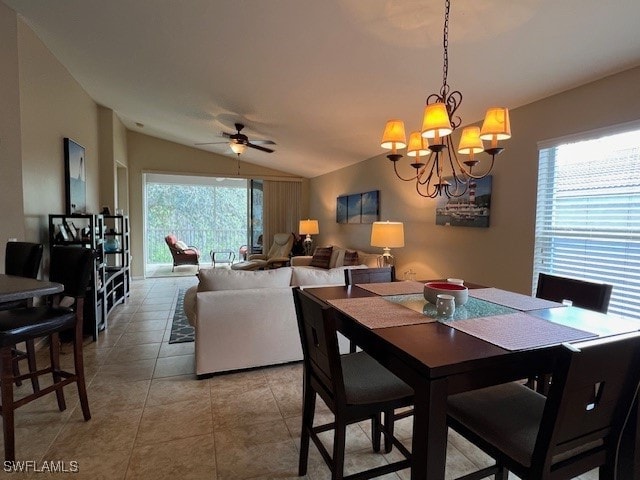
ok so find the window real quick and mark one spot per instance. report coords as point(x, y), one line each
point(588, 214)
point(207, 212)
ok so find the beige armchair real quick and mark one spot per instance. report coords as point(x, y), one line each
point(278, 254)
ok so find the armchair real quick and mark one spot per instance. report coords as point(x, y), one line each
point(182, 254)
point(278, 254)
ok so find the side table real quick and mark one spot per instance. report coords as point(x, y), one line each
point(223, 257)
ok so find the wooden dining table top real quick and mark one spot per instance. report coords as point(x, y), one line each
point(18, 288)
point(438, 360)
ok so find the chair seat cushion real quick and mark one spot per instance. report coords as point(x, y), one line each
point(507, 416)
point(24, 323)
point(366, 381)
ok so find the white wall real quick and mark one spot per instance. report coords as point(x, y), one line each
point(11, 214)
point(53, 106)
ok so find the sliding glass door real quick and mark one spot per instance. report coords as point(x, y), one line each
point(208, 213)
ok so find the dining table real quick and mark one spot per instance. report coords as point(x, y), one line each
point(496, 337)
point(13, 288)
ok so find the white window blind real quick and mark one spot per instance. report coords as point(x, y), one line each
point(588, 215)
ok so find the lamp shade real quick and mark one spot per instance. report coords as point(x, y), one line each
point(387, 234)
point(496, 125)
point(470, 141)
point(435, 122)
point(416, 146)
point(238, 147)
point(308, 227)
point(394, 136)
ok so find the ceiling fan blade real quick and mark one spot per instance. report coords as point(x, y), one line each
point(258, 147)
point(263, 142)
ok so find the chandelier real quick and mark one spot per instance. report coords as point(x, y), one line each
point(434, 141)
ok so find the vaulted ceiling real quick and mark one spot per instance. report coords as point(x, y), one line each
point(320, 78)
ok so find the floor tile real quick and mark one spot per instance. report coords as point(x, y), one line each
point(172, 366)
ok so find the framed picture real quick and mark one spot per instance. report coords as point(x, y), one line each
point(354, 208)
point(73, 231)
point(62, 232)
point(358, 207)
point(75, 177)
point(471, 209)
point(341, 209)
point(370, 207)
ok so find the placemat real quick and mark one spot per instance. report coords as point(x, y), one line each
point(512, 299)
point(393, 288)
point(376, 312)
point(517, 331)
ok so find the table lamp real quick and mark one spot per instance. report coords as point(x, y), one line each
point(308, 228)
point(387, 235)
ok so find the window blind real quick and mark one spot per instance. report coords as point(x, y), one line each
point(588, 215)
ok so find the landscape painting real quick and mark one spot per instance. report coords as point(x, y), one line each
point(471, 209)
point(358, 207)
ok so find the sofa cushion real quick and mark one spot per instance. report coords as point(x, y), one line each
point(350, 258)
point(305, 276)
point(322, 257)
point(223, 279)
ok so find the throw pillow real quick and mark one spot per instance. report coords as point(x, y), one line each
point(350, 258)
point(322, 257)
point(180, 245)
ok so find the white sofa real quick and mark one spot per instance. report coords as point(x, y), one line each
point(246, 319)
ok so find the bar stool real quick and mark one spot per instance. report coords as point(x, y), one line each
point(72, 267)
point(23, 260)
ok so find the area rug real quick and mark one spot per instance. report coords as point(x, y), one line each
point(181, 331)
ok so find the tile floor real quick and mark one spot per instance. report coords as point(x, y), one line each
point(152, 419)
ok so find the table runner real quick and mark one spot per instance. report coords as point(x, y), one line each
point(512, 299)
point(517, 331)
point(376, 312)
point(393, 288)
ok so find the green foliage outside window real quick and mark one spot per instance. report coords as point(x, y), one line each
point(205, 216)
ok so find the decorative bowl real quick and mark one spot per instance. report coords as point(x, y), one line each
point(459, 292)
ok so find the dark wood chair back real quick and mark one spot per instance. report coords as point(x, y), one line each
point(320, 348)
point(71, 266)
point(593, 389)
point(23, 259)
point(589, 295)
point(353, 276)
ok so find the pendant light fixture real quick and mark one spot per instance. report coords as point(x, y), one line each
point(434, 141)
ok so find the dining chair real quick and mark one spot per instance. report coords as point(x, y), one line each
point(583, 294)
point(576, 428)
point(353, 276)
point(23, 259)
point(71, 266)
point(354, 386)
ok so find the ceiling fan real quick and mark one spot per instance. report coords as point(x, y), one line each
point(239, 141)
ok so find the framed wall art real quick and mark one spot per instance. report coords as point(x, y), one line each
point(358, 207)
point(75, 177)
point(471, 209)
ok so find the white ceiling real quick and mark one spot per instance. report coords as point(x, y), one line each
point(320, 78)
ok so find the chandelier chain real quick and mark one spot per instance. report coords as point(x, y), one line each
point(445, 45)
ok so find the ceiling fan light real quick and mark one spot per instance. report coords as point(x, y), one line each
point(237, 148)
point(435, 121)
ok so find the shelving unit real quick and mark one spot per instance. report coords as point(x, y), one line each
point(85, 230)
point(117, 260)
point(108, 237)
